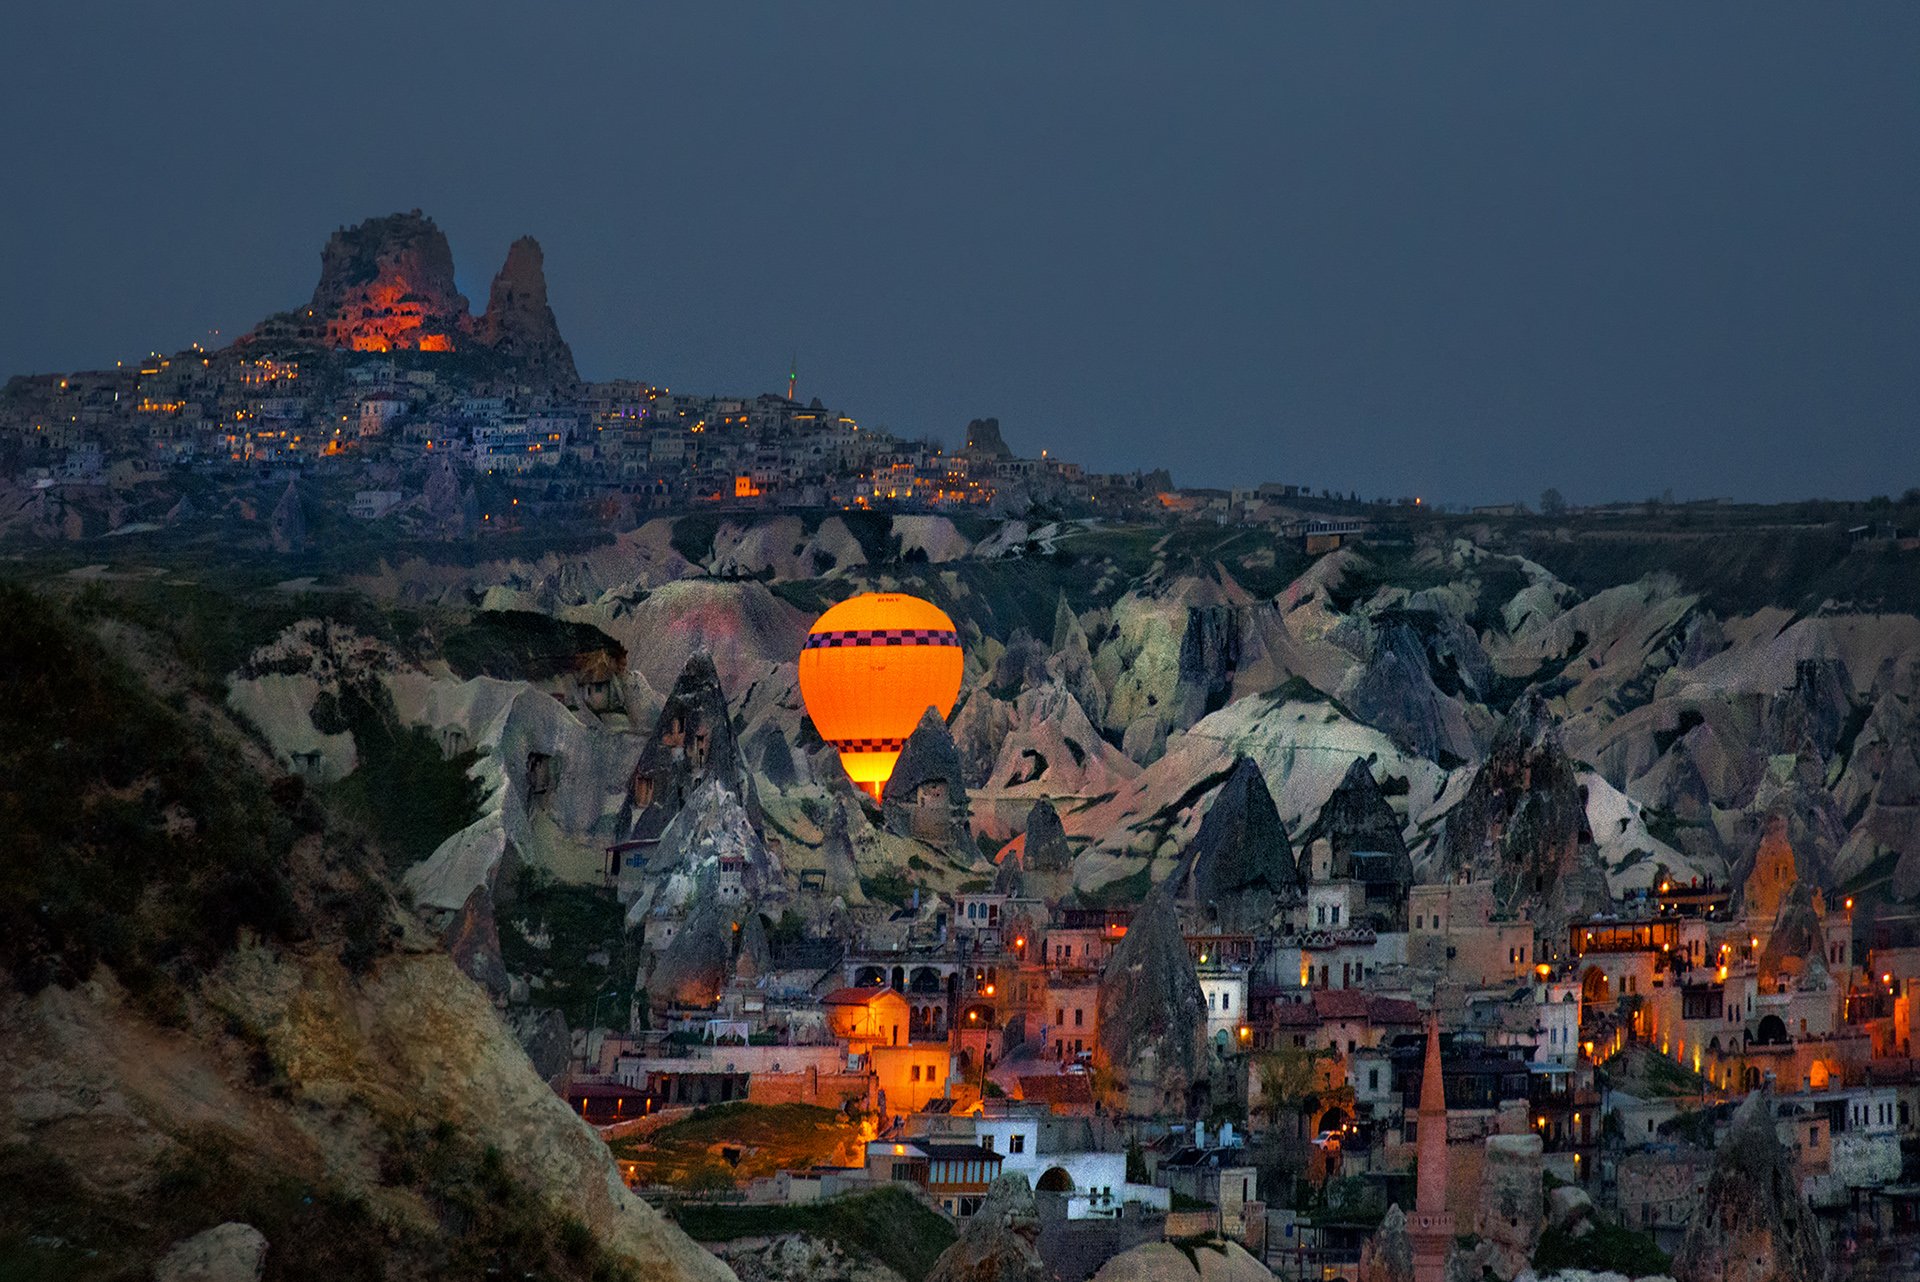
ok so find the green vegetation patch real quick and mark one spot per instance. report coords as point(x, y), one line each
point(1643, 1071)
point(1608, 1248)
point(1121, 892)
point(525, 645)
point(888, 1225)
point(214, 631)
point(743, 1141)
point(404, 793)
point(693, 536)
point(580, 923)
point(135, 837)
point(890, 886)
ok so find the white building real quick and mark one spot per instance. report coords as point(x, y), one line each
point(1053, 1154)
point(371, 505)
point(1226, 992)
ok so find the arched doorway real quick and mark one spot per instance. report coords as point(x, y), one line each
point(1332, 1120)
point(1595, 987)
point(1771, 1031)
point(1054, 1180)
point(870, 977)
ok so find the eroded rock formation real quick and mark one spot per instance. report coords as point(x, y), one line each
point(692, 742)
point(1752, 1226)
point(387, 285)
point(518, 325)
point(1240, 865)
point(1523, 825)
point(1000, 1243)
point(1153, 1016)
point(927, 795)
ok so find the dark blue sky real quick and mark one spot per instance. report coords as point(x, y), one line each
point(1461, 250)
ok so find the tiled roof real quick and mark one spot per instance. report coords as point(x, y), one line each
point(1058, 1089)
point(1340, 1003)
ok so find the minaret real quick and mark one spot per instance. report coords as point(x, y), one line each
point(1432, 1224)
point(793, 375)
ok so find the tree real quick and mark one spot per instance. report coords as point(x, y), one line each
point(1552, 502)
point(1288, 1083)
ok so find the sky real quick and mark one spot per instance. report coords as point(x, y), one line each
point(1465, 251)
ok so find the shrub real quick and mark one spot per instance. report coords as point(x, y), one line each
point(137, 838)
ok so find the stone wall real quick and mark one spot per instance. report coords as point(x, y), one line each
point(810, 1086)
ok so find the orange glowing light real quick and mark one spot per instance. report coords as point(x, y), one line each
point(871, 668)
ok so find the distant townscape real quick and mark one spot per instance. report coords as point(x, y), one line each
point(385, 384)
point(465, 821)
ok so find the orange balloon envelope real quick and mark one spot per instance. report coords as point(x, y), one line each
point(872, 667)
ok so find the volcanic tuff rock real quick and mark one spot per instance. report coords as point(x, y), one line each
point(1152, 1038)
point(697, 961)
point(472, 939)
point(1221, 1261)
point(1512, 1207)
point(1001, 1242)
point(543, 1034)
point(692, 742)
point(89, 1080)
point(1049, 747)
point(926, 797)
point(1071, 662)
point(1358, 817)
point(1240, 863)
point(983, 439)
point(1418, 681)
point(711, 829)
point(1046, 848)
point(1156, 679)
point(1522, 824)
point(799, 1257)
point(1038, 864)
point(519, 326)
point(1387, 1256)
point(387, 284)
point(225, 1253)
point(290, 520)
point(1752, 1226)
point(1209, 655)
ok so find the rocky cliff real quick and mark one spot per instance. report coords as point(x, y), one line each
point(387, 285)
point(250, 1030)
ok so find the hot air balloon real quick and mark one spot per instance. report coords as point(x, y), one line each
point(871, 668)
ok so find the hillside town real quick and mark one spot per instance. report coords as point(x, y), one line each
point(734, 822)
point(1284, 1029)
point(386, 387)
